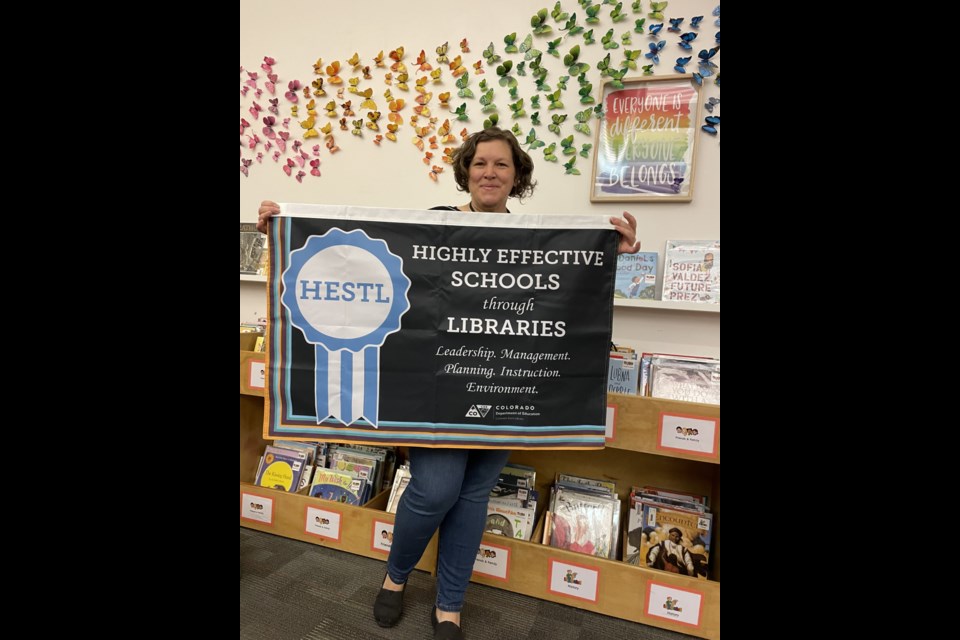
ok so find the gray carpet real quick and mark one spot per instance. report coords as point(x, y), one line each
point(292, 590)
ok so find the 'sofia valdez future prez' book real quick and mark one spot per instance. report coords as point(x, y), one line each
point(691, 271)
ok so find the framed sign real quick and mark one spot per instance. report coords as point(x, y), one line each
point(646, 142)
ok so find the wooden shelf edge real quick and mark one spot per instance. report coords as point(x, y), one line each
point(666, 305)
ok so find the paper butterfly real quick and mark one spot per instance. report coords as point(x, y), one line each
point(464, 46)
point(434, 172)
point(656, 10)
point(675, 25)
point(532, 142)
point(712, 122)
point(315, 167)
point(332, 70)
point(711, 103)
point(245, 167)
point(570, 169)
point(293, 86)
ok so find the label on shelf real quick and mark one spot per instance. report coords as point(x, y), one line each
point(574, 580)
point(611, 421)
point(257, 508)
point(690, 434)
point(677, 605)
point(323, 523)
point(382, 536)
point(492, 561)
point(258, 377)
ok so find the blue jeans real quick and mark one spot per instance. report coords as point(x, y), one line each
point(449, 488)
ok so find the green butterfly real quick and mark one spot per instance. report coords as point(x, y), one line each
point(570, 169)
point(648, 69)
point(510, 41)
point(585, 150)
point(562, 82)
point(558, 120)
point(535, 118)
point(635, 7)
point(539, 23)
point(522, 69)
point(588, 37)
point(616, 78)
point(554, 99)
point(532, 142)
point(552, 47)
point(513, 92)
point(462, 84)
point(582, 118)
point(517, 109)
point(490, 56)
point(516, 130)
point(548, 152)
point(487, 101)
point(656, 10)
point(603, 65)
point(616, 15)
point(491, 121)
point(586, 94)
point(543, 86)
point(483, 85)
point(592, 12)
point(639, 27)
point(535, 102)
point(625, 38)
point(572, 28)
point(567, 147)
point(608, 42)
point(630, 58)
point(461, 112)
point(558, 13)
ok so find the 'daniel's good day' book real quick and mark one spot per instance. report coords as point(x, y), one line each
point(636, 276)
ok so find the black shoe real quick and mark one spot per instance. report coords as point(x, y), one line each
point(388, 607)
point(445, 630)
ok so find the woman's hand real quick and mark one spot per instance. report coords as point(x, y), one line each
point(269, 208)
point(628, 233)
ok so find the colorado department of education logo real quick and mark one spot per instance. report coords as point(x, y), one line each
point(479, 410)
point(346, 292)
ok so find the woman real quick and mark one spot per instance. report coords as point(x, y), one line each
point(450, 488)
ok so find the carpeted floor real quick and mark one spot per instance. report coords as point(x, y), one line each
point(292, 590)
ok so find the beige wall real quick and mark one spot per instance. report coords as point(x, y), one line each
point(297, 32)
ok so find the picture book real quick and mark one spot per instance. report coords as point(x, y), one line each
point(691, 271)
point(674, 540)
point(636, 276)
point(623, 374)
point(692, 381)
point(252, 245)
point(280, 469)
point(585, 523)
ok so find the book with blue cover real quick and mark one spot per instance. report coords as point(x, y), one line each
point(636, 276)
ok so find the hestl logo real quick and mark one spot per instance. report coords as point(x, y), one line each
point(484, 409)
point(473, 413)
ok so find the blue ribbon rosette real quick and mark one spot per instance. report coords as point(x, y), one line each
point(346, 292)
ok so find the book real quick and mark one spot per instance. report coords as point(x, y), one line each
point(623, 373)
point(252, 246)
point(672, 539)
point(636, 276)
point(691, 271)
point(280, 468)
point(681, 379)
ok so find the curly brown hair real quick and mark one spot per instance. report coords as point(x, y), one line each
point(522, 162)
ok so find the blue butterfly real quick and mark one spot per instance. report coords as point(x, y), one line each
point(697, 78)
point(655, 29)
point(695, 22)
point(716, 12)
point(710, 103)
point(655, 50)
point(706, 66)
point(675, 25)
point(676, 185)
point(681, 63)
point(718, 37)
point(712, 122)
point(686, 39)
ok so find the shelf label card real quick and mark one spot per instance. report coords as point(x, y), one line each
point(671, 603)
point(492, 561)
point(258, 374)
point(256, 508)
point(323, 523)
point(690, 434)
point(574, 580)
point(611, 420)
point(382, 538)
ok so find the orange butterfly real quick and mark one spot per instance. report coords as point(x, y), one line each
point(433, 142)
point(422, 61)
point(378, 139)
point(332, 70)
point(444, 99)
point(367, 103)
point(395, 106)
point(448, 155)
point(318, 66)
point(478, 65)
point(312, 108)
point(378, 59)
point(331, 146)
point(373, 116)
point(340, 93)
point(427, 157)
point(392, 131)
point(465, 46)
point(366, 73)
point(463, 134)
point(343, 124)
point(397, 55)
point(457, 68)
point(347, 111)
point(388, 79)
point(418, 142)
point(402, 81)
point(436, 171)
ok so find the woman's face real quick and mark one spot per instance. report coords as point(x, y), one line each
point(492, 176)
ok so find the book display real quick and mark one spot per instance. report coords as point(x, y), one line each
point(590, 573)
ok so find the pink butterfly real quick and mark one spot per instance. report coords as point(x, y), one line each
point(296, 145)
point(268, 62)
point(241, 68)
point(259, 157)
point(244, 168)
point(276, 156)
point(281, 140)
point(271, 83)
point(300, 175)
point(253, 75)
point(291, 95)
point(255, 111)
point(301, 160)
point(258, 93)
point(287, 167)
point(316, 150)
point(244, 89)
point(252, 83)
point(267, 145)
point(243, 125)
point(315, 171)
point(274, 108)
point(254, 141)
point(286, 123)
point(268, 130)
